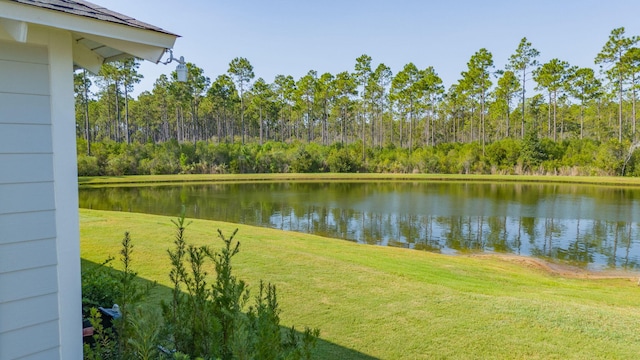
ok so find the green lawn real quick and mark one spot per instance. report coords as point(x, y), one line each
point(390, 303)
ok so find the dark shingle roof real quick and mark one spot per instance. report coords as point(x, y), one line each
point(90, 10)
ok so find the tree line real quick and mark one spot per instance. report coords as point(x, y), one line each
point(371, 110)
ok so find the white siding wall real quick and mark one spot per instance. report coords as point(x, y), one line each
point(29, 299)
point(40, 290)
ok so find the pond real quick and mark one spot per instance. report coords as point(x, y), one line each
point(594, 227)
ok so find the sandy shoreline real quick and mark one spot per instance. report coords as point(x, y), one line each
point(564, 270)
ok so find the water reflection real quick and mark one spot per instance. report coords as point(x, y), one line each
point(594, 227)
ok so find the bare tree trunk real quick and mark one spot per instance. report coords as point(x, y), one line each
point(549, 117)
point(524, 79)
point(261, 129)
point(620, 109)
point(126, 113)
point(87, 131)
point(508, 114)
point(117, 113)
point(364, 140)
point(633, 107)
point(411, 128)
point(555, 124)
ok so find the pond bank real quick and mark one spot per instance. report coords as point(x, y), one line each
point(562, 270)
point(191, 178)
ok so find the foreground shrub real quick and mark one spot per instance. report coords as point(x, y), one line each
point(210, 321)
point(99, 286)
point(129, 334)
point(207, 320)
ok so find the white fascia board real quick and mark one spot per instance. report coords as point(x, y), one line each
point(140, 37)
point(17, 29)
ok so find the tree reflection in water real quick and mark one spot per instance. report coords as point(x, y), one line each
point(590, 226)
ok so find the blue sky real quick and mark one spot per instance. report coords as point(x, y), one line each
point(292, 37)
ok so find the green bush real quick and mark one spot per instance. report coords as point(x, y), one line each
point(343, 161)
point(88, 165)
point(162, 163)
point(610, 157)
point(99, 285)
point(201, 319)
point(103, 286)
point(503, 154)
point(469, 156)
point(530, 155)
point(305, 162)
point(533, 152)
point(580, 152)
point(271, 161)
point(207, 320)
point(104, 345)
point(121, 164)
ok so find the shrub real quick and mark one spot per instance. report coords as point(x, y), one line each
point(201, 319)
point(304, 162)
point(342, 161)
point(580, 152)
point(273, 161)
point(610, 157)
point(99, 285)
point(162, 163)
point(532, 153)
point(88, 165)
point(503, 154)
point(468, 158)
point(121, 164)
point(104, 345)
point(207, 320)
point(103, 286)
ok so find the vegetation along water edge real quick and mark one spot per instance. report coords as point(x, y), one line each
point(139, 180)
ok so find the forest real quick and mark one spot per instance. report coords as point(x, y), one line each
point(577, 121)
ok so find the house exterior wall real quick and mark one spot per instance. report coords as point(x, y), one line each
point(40, 295)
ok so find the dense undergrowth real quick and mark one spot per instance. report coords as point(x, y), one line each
point(531, 156)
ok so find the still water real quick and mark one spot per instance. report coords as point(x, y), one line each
point(594, 227)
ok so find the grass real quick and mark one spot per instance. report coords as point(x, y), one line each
point(390, 303)
point(190, 178)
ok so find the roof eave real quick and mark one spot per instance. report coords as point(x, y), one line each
point(143, 43)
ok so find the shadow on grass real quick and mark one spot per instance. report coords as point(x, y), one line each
point(324, 349)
